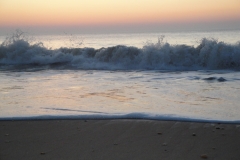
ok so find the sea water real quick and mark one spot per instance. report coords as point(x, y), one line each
point(192, 76)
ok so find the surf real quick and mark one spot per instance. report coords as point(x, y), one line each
point(17, 51)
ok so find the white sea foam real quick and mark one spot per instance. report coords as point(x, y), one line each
point(208, 54)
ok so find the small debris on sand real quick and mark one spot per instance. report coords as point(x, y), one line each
point(194, 134)
point(159, 133)
point(164, 144)
point(204, 156)
point(42, 153)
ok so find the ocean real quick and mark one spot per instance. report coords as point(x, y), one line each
point(188, 76)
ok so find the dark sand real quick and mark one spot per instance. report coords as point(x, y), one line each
point(118, 139)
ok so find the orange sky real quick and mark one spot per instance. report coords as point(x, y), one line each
point(112, 12)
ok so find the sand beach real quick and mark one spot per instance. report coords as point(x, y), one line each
point(118, 139)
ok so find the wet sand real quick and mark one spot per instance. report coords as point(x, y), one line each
point(118, 139)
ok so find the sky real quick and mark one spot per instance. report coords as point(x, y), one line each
point(96, 16)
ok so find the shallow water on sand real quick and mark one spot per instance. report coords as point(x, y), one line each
point(206, 95)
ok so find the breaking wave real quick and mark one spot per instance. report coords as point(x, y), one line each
point(16, 51)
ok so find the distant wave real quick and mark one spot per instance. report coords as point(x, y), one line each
point(16, 52)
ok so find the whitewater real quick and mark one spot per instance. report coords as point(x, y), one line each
point(190, 76)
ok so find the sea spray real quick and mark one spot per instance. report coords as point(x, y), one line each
point(17, 50)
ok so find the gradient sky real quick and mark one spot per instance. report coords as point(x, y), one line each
point(118, 15)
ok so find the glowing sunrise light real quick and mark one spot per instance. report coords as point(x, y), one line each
point(109, 12)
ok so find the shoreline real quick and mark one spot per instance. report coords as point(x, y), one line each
point(131, 116)
point(118, 139)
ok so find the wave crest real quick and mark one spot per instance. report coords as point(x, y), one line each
point(209, 54)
